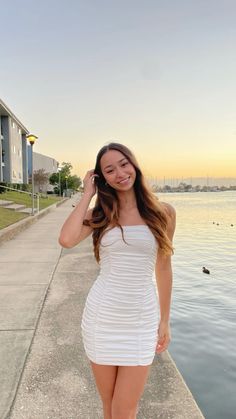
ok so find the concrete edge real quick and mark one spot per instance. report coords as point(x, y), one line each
point(181, 378)
point(12, 230)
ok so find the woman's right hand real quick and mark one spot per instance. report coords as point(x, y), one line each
point(88, 182)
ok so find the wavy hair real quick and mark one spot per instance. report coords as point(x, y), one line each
point(105, 213)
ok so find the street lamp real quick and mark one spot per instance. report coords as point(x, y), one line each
point(66, 178)
point(31, 138)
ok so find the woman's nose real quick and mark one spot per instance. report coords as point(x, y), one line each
point(119, 172)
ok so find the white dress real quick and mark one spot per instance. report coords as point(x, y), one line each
point(121, 313)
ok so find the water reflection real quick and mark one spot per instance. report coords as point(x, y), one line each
point(204, 306)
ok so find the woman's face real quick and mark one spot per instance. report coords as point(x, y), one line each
point(118, 172)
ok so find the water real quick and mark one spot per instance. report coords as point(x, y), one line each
point(203, 315)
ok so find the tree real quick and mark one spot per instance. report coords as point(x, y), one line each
point(167, 188)
point(74, 182)
point(41, 178)
point(66, 168)
point(66, 179)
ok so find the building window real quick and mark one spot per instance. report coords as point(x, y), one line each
point(14, 149)
point(19, 153)
point(19, 130)
point(13, 124)
point(13, 173)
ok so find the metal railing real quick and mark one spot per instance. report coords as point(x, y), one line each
point(28, 193)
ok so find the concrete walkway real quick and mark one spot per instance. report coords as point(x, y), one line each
point(44, 372)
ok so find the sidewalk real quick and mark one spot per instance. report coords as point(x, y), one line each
point(44, 373)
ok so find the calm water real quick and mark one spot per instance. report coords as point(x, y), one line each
point(204, 306)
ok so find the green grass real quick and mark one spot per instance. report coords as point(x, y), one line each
point(22, 198)
point(8, 216)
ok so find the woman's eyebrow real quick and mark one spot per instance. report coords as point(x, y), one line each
point(110, 165)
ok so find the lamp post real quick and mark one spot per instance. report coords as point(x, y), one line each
point(66, 178)
point(31, 138)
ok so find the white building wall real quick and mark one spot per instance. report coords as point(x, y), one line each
point(15, 136)
point(44, 162)
point(47, 163)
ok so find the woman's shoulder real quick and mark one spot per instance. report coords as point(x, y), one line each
point(171, 219)
point(169, 209)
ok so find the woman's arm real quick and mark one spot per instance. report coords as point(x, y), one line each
point(73, 231)
point(164, 284)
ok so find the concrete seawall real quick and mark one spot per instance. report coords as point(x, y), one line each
point(44, 372)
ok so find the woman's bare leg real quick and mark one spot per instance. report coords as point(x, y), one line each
point(105, 377)
point(129, 386)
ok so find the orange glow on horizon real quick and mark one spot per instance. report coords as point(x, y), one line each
point(172, 172)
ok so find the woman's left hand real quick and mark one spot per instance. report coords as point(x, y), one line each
point(164, 337)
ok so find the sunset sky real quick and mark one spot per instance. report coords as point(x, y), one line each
point(157, 76)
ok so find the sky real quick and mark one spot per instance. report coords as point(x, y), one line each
point(157, 76)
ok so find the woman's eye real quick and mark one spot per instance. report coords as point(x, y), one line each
point(110, 171)
point(124, 164)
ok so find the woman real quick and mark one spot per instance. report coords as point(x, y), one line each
point(123, 325)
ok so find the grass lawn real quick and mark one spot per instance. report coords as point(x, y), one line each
point(8, 217)
point(22, 198)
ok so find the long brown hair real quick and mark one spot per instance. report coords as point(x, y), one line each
point(106, 211)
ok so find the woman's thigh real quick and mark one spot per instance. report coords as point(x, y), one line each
point(105, 377)
point(129, 386)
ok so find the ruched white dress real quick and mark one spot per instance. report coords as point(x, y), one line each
point(120, 317)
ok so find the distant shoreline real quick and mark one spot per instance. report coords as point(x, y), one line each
point(189, 188)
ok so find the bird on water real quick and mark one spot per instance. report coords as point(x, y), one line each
point(205, 270)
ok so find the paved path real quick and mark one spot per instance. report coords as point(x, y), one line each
point(44, 372)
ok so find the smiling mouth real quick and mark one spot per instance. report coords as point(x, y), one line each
point(124, 180)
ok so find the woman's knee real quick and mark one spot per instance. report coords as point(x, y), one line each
point(121, 410)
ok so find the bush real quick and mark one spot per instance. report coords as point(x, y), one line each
point(2, 190)
point(55, 190)
point(25, 187)
point(19, 186)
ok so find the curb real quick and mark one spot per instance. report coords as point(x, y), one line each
point(12, 230)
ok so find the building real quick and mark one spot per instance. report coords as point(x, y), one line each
point(15, 153)
point(13, 147)
point(49, 164)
